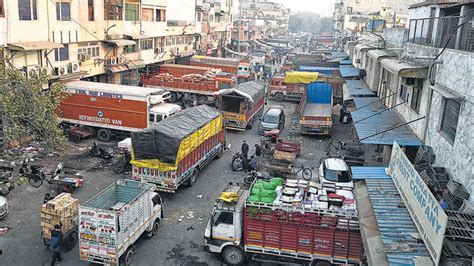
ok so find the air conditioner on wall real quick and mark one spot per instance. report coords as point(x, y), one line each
point(31, 71)
point(74, 67)
point(119, 60)
point(61, 71)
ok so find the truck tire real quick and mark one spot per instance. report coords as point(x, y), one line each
point(279, 97)
point(192, 178)
point(127, 258)
point(74, 138)
point(71, 241)
point(220, 152)
point(233, 256)
point(156, 226)
point(104, 135)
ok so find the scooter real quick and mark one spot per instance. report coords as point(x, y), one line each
point(96, 151)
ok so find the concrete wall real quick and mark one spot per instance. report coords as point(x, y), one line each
point(455, 73)
point(394, 38)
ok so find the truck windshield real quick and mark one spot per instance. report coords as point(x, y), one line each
point(337, 176)
point(223, 218)
point(270, 119)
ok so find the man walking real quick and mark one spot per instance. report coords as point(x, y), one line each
point(55, 243)
point(245, 149)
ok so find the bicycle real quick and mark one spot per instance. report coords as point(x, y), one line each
point(306, 173)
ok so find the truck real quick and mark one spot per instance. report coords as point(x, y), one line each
point(242, 105)
point(331, 72)
point(179, 70)
point(235, 66)
point(174, 151)
point(113, 220)
point(111, 110)
point(198, 88)
point(316, 109)
point(282, 229)
point(293, 85)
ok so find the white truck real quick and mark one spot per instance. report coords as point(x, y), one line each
point(111, 221)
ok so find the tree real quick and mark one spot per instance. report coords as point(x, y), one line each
point(28, 110)
point(309, 22)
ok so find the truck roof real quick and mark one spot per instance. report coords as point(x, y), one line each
point(113, 88)
point(165, 108)
point(186, 67)
point(241, 189)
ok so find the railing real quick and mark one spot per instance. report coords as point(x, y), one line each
point(454, 32)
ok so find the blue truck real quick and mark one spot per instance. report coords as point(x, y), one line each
point(316, 109)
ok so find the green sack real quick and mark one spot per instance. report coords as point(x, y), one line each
point(267, 199)
point(255, 191)
point(267, 193)
point(253, 198)
point(258, 185)
point(277, 180)
point(269, 186)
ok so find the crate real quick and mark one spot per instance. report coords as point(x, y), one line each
point(457, 190)
point(60, 210)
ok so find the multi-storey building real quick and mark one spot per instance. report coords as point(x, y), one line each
point(101, 40)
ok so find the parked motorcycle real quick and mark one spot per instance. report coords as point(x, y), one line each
point(37, 175)
point(99, 152)
point(252, 177)
point(121, 162)
point(6, 183)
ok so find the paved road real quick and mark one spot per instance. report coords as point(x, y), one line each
point(178, 243)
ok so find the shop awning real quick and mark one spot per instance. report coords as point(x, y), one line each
point(356, 89)
point(117, 68)
point(137, 36)
point(345, 62)
point(348, 71)
point(33, 46)
point(363, 48)
point(129, 65)
point(378, 54)
point(404, 69)
point(388, 231)
point(376, 121)
point(120, 42)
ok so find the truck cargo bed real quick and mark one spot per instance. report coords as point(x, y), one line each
point(317, 109)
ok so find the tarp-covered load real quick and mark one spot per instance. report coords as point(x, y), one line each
point(216, 61)
point(252, 90)
point(165, 144)
point(301, 77)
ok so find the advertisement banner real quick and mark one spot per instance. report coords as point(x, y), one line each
point(424, 209)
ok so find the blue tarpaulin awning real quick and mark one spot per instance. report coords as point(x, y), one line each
point(348, 71)
point(380, 122)
point(358, 88)
point(345, 62)
point(400, 237)
point(322, 70)
point(339, 54)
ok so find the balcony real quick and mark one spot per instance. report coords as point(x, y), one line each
point(443, 31)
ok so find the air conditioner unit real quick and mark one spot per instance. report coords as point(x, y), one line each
point(84, 57)
point(74, 67)
point(113, 61)
point(43, 71)
point(157, 50)
point(119, 60)
point(61, 71)
point(108, 61)
point(31, 71)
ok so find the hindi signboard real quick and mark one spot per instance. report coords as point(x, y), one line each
point(424, 209)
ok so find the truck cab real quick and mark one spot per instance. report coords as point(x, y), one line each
point(162, 111)
point(224, 229)
point(244, 72)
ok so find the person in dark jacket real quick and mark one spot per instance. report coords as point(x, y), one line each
point(342, 113)
point(245, 149)
point(252, 164)
point(55, 243)
point(258, 150)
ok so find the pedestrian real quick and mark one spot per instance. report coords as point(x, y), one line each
point(258, 150)
point(342, 113)
point(47, 197)
point(55, 243)
point(245, 149)
point(252, 164)
point(245, 164)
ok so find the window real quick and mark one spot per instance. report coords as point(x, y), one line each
point(90, 48)
point(199, 16)
point(130, 49)
point(90, 9)
point(449, 120)
point(160, 42)
point(156, 200)
point(113, 10)
point(63, 11)
point(27, 9)
point(131, 12)
point(223, 218)
point(147, 14)
point(146, 44)
point(2, 9)
point(61, 54)
point(160, 15)
point(416, 96)
point(168, 41)
point(211, 18)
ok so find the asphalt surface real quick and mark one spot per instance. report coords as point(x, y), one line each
point(177, 243)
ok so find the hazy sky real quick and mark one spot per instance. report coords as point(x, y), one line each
point(324, 8)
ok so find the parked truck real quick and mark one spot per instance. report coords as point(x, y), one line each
point(197, 88)
point(283, 227)
point(235, 66)
point(333, 76)
point(175, 150)
point(113, 220)
point(316, 109)
point(242, 105)
point(109, 110)
point(179, 70)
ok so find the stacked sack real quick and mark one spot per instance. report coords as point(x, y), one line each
point(265, 191)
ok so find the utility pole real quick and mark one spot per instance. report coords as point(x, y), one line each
point(240, 25)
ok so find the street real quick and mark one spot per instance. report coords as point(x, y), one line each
point(177, 243)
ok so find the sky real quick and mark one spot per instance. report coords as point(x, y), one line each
point(324, 8)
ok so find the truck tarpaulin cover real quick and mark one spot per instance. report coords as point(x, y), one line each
point(164, 145)
point(301, 77)
point(251, 90)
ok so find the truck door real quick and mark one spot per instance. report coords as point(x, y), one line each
point(157, 205)
point(223, 226)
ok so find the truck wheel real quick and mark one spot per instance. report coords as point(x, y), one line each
point(233, 256)
point(104, 135)
point(74, 138)
point(192, 177)
point(279, 97)
point(322, 263)
point(156, 226)
point(202, 100)
point(71, 241)
point(127, 258)
point(220, 153)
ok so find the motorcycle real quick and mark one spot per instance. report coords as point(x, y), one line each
point(252, 177)
point(122, 162)
point(6, 183)
point(99, 152)
point(37, 175)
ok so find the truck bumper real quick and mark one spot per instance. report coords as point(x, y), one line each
point(315, 130)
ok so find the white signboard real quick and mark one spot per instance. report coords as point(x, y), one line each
point(429, 217)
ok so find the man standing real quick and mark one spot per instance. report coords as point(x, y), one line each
point(55, 243)
point(245, 149)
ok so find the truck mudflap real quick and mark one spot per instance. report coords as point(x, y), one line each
point(169, 181)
